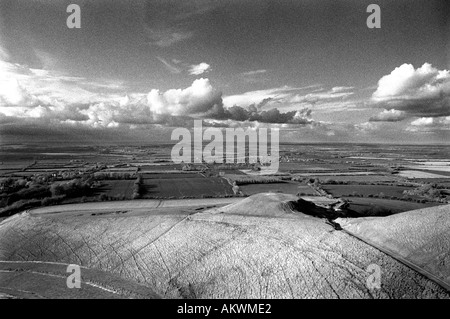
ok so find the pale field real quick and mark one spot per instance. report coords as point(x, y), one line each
point(431, 167)
point(337, 174)
point(419, 174)
point(257, 248)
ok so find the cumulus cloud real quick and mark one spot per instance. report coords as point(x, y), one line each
point(423, 92)
point(13, 94)
point(35, 94)
point(203, 101)
point(253, 114)
point(200, 97)
point(423, 121)
point(389, 116)
point(197, 69)
point(430, 124)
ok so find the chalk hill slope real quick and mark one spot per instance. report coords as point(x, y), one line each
point(422, 237)
point(260, 247)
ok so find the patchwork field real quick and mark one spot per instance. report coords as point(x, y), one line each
point(358, 178)
point(383, 207)
point(420, 174)
point(185, 185)
point(119, 188)
point(365, 190)
point(188, 234)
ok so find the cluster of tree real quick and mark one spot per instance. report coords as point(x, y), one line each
point(138, 187)
point(33, 191)
point(236, 189)
point(314, 182)
point(74, 188)
point(104, 197)
point(330, 181)
point(114, 175)
point(429, 191)
point(10, 185)
point(23, 204)
point(19, 206)
point(257, 180)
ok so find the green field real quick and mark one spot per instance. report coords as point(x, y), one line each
point(365, 190)
point(119, 188)
point(191, 185)
point(358, 178)
point(383, 207)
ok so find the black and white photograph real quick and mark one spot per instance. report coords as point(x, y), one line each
point(240, 150)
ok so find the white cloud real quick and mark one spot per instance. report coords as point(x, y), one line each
point(430, 124)
point(338, 89)
point(13, 94)
point(366, 126)
point(197, 69)
point(423, 121)
point(198, 98)
point(22, 86)
point(389, 116)
point(290, 99)
point(279, 95)
point(58, 98)
point(419, 92)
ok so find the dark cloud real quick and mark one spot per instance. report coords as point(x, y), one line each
point(238, 113)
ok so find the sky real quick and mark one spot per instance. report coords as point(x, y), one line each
point(136, 69)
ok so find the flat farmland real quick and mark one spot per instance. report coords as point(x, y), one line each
point(250, 179)
point(286, 167)
point(359, 178)
point(185, 185)
point(332, 174)
point(365, 190)
point(116, 188)
point(421, 174)
point(286, 188)
point(380, 207)
point(174, 175)
point(442, 170)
